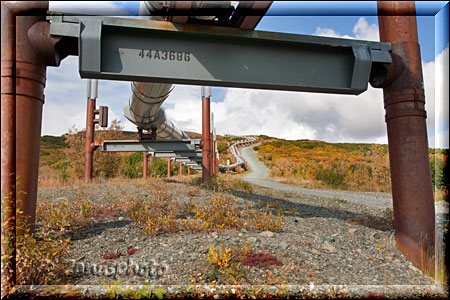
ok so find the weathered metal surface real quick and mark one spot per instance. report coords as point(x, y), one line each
point(188, 154)
point(404, 101)
point(26, 49)
point(168, 167)
point(248, 14)
point(8, 136)
point(206, 143)
point(150, 146)
point(144, 164)
point(89, 140)
point(186, 54)
point(188, 161)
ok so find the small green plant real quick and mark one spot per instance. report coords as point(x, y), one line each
point(226, 265)
point(266, 221)
point(39, 255)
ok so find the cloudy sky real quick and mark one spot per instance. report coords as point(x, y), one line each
point(289, 115)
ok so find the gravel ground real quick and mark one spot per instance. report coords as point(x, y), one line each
point(328, 246)
point(259, 175)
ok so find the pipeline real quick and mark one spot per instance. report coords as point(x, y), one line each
point(239, 160)
point(144, 109)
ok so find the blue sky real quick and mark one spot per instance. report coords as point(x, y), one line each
point(314, 116)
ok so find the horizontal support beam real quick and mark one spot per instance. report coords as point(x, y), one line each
point(164, 52)
point(150, 146)
point(193, 154)
point(188, 160)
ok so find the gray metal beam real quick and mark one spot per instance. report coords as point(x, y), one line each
point(193, 154)
point(144, 50)
point(188, 160)
point(150, 146)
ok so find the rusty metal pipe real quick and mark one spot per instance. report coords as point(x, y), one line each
point(89, 140)
point(206, 143)
point(404, 102)
point(211, 153)
point(8, 136)
point(168, 167)
point(26, 51)
point(144, 164)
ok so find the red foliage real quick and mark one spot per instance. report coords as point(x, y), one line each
point(131, 250)
point(261, 260)
point(374, 296)
point(210, 230)
point(111, 255)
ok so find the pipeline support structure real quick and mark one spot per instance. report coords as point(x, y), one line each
point(206, 142)
point(404, 102)
point(30, 44)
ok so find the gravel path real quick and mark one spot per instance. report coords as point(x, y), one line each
point(327, 247)
point(259, 175)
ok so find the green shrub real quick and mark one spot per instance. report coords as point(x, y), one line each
point(132, 165)
point(158, 168)
point(332, 176)
point(222, 148)
point(437, 172)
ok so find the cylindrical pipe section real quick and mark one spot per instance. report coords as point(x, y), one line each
point(168, 167)
point(146, 99)
point(26, 50)
point(8, 142)
point(89, 140)
point(211, 153)
point(206, 144)
point(144, 164)
point(404, 102)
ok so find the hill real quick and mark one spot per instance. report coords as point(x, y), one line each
point(307, 163)
point(347, 166)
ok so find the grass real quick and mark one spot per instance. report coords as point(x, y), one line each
point(345, 166)
point(38, 255)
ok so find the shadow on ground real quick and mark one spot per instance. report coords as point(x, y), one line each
point(312, 211)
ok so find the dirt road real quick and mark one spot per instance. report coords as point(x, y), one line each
point(259, 175)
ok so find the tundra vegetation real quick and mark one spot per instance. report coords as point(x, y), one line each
point(309, 163)
point(344, 166)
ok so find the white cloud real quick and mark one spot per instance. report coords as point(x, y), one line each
point(291, 115)
point(364, 31)
point(65, 99)
point(88, 7)
point(329, 32)
point(436, 77)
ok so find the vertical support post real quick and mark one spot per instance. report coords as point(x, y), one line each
point(216, 161)
point(168, 167)
point(8, 142)
point(144, 164)
point(211, 140)
point(89, 139)
point(181, 168)
point(189, 170)
point(404, 102)
point(26, 51)
point(206, 152)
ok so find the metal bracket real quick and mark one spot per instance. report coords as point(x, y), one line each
point(89, 41)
